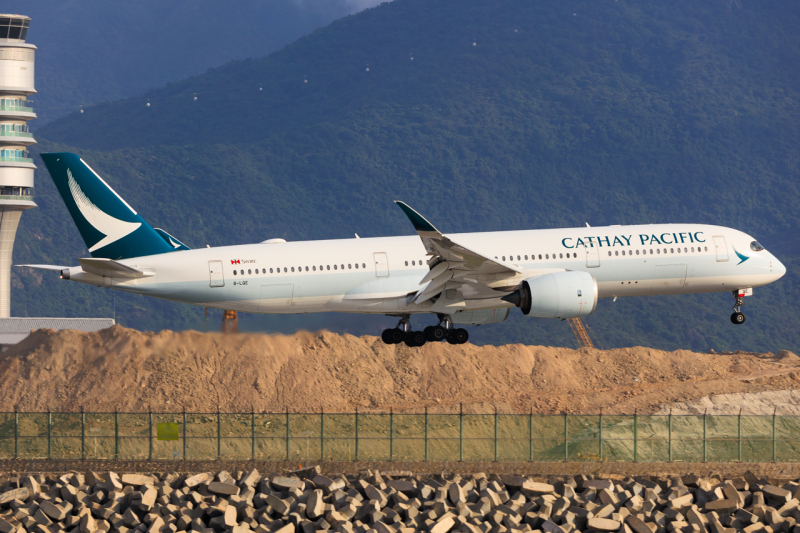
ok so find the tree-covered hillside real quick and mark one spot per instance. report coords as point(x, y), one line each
point(484, 116)
point(93, 51)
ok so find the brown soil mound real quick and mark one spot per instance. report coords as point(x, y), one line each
point(128, 370)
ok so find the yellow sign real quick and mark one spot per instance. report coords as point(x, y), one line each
point(168, 431)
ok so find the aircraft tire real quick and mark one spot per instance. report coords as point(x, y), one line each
point(738, 318)
point(386, 336)
point(396, 335)
point(461, 335)
point(414, 339)
point(435, 333)
point(450, 337)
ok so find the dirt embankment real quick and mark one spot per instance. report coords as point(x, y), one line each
point(129, 370)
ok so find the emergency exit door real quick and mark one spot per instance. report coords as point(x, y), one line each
point(215, 276)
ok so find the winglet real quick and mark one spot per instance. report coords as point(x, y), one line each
point(419, 222)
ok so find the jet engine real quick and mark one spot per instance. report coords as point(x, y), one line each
point(557, 295)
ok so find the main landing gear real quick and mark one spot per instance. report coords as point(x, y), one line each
point(738, 317)
point(403, 333)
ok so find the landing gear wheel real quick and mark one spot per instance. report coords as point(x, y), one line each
point(386, 336)
point(395, 335)
point(414, 339)
point(435, 333)
point(738, 318)
point(461, 335)
point(451, 337)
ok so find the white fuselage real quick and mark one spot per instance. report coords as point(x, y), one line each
point(380, 275)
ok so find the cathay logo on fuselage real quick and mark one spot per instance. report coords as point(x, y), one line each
point(113, 228)
point(742, 258)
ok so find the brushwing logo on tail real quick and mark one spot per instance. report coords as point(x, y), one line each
point(113, 228)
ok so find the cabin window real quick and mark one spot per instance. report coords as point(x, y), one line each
point(685, 250)
point(356, 266)
point(672, 250)
point(637, 252)
point(547, 256)
point(561, 256)
point(413, 263)
point(342, 267)
point(504, 258)
point(292, 269)
point(350, 266)
point(406, 263)
point(270, 271)
point(518, 258)
point(526, 258)
point(329, 267)
point(363, 265)
point(306, 269)
point(334, 267)
point(234, 272)
point(249, 271)
point(616, 252)
point(609, 253)
point(314, 268)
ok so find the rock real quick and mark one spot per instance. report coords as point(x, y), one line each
point(722, 506)
point(603, 524)
point(20, 494)
point(288, 483)
point(136, 480)
point(223, 489)
point(198, 479)
point(53, 511)
point(533, 487)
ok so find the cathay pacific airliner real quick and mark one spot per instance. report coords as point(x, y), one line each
point(455, 279)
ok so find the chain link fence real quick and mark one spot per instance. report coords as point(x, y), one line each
point(400, 437)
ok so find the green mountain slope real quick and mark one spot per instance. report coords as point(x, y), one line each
point(512, 114)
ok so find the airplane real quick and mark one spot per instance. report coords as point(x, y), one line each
point(462, 279)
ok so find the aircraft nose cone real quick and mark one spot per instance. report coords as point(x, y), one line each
point(778, 269)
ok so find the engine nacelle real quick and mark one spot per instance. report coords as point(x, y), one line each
point(557, 295)
point(480, 316)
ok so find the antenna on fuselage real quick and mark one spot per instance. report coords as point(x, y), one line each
point(587, 225)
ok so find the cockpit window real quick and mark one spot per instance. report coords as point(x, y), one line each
point(755, 246)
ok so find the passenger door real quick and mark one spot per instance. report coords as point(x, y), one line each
point(215, 275)
point(381, 264)
point(721, 248)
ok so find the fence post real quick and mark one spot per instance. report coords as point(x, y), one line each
point(322, 434)
point(566, 439)
point(391, 433)
point(184, 433)
point(16, 433)
point(670, 434)
point(287, 433)
point(253, 433)
point(774, 435)
point(530, 436)
point(495, 433)
point(116, 435)
point(740, 434)
point(356, 433)
point(150, 455)
point(426, 432)
point(460, 431)
point(219, 435)
point(601, 434)
point(635, 435)
point(705, 441)
point(83, 434)
point(50, 430)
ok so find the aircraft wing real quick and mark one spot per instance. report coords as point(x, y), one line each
point(453, 262)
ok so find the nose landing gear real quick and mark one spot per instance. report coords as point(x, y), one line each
point(738, 317)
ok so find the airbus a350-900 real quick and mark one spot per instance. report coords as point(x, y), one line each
point(457, 279)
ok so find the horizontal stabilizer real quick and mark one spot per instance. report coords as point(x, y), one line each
point(45, 267)
point(112, 269)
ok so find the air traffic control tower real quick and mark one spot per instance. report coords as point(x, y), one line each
point(16, 168)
